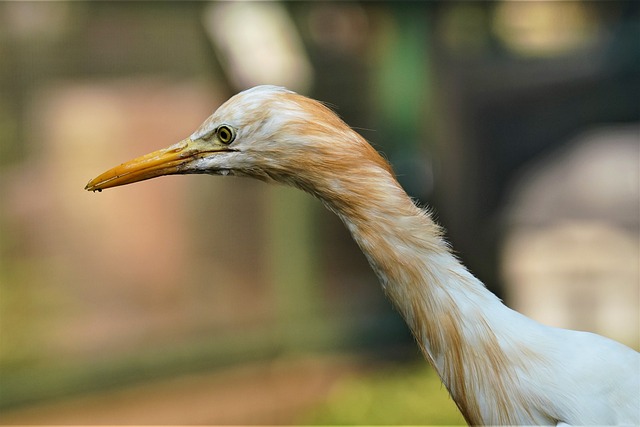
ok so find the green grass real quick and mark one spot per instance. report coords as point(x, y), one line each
point(410, 395)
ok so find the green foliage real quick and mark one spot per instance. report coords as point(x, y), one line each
point(410, 395)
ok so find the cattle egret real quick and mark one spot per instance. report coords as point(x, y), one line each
point(499, 366)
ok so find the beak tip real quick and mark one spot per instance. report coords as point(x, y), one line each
point(90, 187)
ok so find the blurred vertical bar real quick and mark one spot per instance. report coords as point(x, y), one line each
point(404, 91)
point(293, 260)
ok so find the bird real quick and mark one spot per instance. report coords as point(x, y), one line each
point(499, 366)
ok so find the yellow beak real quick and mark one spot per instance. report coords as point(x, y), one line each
point(168, 161)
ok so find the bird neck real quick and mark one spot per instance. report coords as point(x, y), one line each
point(455, 319)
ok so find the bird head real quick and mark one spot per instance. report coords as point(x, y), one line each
point(266, 132)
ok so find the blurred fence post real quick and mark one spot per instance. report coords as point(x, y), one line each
point(293, 264)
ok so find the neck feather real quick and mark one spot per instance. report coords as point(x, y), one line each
point(454, 318)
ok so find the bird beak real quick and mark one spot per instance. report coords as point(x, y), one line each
point(168, 161)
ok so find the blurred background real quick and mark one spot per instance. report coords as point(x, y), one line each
point(200, 300)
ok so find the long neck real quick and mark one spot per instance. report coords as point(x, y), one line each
point(464, 331)
point(455, 319)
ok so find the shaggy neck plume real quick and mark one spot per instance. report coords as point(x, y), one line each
point(451, 314)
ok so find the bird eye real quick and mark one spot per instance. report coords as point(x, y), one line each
point(226, 134)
